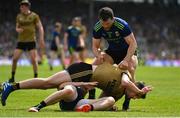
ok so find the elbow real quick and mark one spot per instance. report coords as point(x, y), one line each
point(135, 45)
point(124, 83)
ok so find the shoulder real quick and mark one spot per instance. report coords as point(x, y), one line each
point(19, 15)
point(97, 26)
point(70, 27)
point(55, 33)
point(78, 28)
point(35, 15)
point(120, 23)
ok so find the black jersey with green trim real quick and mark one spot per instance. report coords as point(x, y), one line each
point(115, 35)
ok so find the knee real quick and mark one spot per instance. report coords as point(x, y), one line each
point(110, 101)
point(70, 91)
point(15, 60)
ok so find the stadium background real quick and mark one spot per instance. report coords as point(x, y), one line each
point(155, 24)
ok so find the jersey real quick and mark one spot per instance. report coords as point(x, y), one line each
point(108, 77)
point(53, 42)
point(115, 35)
point(73, 36)
point(28, 24)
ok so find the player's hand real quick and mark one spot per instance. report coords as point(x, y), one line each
point(90, 85)
point(19, 30)
point(100, 58)
point(146, 89)
point(123, 64)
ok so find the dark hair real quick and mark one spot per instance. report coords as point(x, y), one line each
point(141, 85)
point(105, 13)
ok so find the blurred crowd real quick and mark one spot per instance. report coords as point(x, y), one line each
point(156, 28)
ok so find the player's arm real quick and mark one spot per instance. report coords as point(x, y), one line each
point(41, 34)
point(84, 32)
point(125, 82)
point(57, 41)
point(87, 85)
point(66, 40)
point(131, 41)
point(18, 28)
point(81, 40)
point(96, 46)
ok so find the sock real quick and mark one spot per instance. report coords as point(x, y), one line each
point(92, 94)
point(15, 86)
point(126, 103)
point(40, 105)
point(92, 107)
point(35, 75)
point(12, 75)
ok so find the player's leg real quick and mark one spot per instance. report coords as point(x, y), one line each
point(52, 56)
point(71, 59)
point(100, 104)
point(132, 68)
point(69, 93)
point(82, 55)
point(33, 55)
point(44, 83)
point(36, 83)
point(16, 56)
point(62, 56)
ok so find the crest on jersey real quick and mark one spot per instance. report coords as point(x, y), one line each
point(117, 33)
point(109, 34)
point(20, 19)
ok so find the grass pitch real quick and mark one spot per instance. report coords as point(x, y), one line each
point(163, 101)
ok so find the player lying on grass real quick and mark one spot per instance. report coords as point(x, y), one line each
point(71, 97)
point(110, 78)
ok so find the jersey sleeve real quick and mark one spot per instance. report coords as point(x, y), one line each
point(126, 30)
point(17, 19)
point(96, 34)
point(67, 30)
point(55, 34)
point(36, 19)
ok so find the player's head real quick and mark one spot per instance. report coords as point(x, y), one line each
point(58, 26)
point(106, 17)
point(76, 21)
point(24, 6)
point(133, 95)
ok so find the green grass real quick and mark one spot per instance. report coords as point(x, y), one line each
point(164, 100)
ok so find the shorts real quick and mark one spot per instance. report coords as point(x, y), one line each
point(70, 106)
point(80, 72)
point(75, 49)
point(26, 46)
point(54, 47)
point(118, 56)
